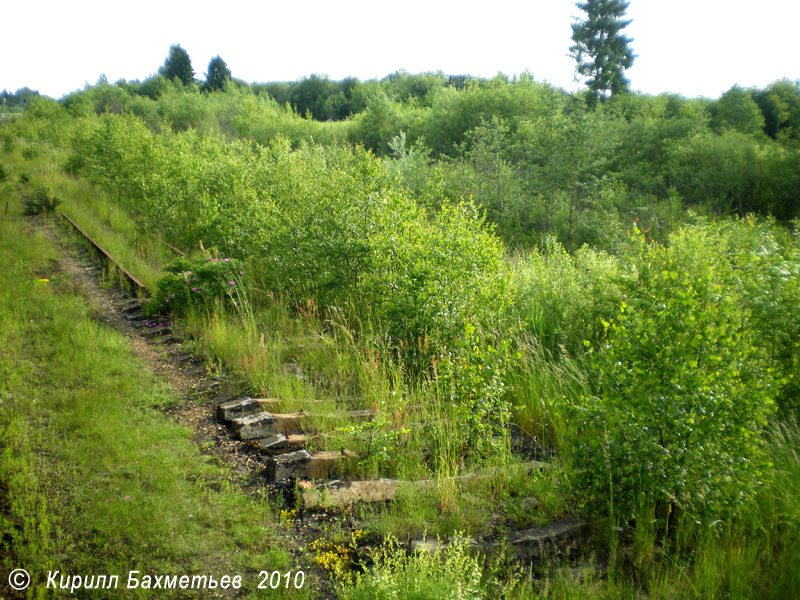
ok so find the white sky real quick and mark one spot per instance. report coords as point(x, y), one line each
point(691, 47)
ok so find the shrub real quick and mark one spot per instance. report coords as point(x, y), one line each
point(9, 141)
point(430, 279)
point(681, 392)
point(43, 200)
point(766, 260)
point(471, 389)
point(30, 153)
point(199, 283)
point(561, 297)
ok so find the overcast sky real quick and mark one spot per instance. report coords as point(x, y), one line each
point(694, 48)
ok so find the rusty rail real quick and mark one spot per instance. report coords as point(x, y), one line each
point(137, 284)
point(173, 248)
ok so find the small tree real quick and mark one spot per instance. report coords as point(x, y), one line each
point(218, 74)
point(178, 65)
point(601, 52)
point(683, 390)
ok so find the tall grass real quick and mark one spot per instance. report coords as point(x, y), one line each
point(544, 388)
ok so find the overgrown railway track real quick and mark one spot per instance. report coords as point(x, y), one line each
point(283, 443)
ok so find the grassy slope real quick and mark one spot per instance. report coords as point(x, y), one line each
point(98, 480)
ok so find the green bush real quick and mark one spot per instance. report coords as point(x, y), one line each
point(9, 141)
point(682, 392)
point(42, 200)
point(431, 277)
point(561, 297)
point(471, 390)
point(199, 283)
point(766, 260)
point(30, 152)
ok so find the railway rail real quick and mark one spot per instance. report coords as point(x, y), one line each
point(139, 288)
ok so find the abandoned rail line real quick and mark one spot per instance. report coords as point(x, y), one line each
point(280, 441)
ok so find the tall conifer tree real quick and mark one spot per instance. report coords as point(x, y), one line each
point(218, 74)
point(601, 51)
point(178, 65)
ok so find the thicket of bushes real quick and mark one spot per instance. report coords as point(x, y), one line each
point(536, 159)
point(326, 223)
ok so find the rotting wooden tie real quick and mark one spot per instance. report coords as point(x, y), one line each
point(302, 465)
point(343, 493)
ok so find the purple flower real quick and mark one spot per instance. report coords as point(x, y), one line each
point(209, 258)
point(227, 260)
point(194, 289)
point(215, 260)
point(231, 283)
point(241, 272)
point(188, 272)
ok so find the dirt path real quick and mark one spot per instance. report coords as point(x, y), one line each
point(195, 389)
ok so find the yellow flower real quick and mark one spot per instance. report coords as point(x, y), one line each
point(44, 280)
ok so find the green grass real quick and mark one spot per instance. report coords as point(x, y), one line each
point(98, 479)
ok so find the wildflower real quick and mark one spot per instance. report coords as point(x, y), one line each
point(209, 258)
point(231, 283)
point(304, 484)
point(188, 272)
point(215, 260)
point(241, 272)
point(45, 280)
point(227, 260)
point(194, 289)
point(127, 497)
